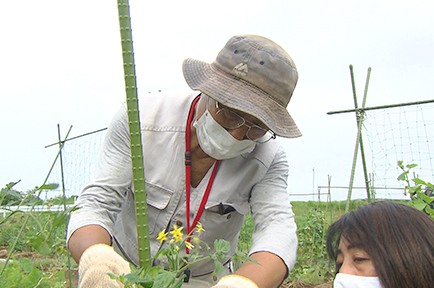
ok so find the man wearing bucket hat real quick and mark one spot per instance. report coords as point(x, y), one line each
point(212, 158)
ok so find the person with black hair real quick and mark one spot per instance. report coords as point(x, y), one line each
point(383, 244)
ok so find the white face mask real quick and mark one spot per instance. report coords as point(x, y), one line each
point(217, 142)
point(354, 281)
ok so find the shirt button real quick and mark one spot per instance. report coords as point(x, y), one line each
point(229, 216)
point(178, 223)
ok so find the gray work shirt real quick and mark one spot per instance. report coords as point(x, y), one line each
point(255, 182)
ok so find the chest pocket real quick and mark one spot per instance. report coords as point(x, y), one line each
point(225, 219)
point(158, 199)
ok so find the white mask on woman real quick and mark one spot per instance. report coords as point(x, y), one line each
point(217, 142)
point(354, 281)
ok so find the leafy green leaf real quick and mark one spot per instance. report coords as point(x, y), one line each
point(419, 181)
point(424, 197)
point(136, 279)
point(122, 278)
point(164, 278)
point(50, 186)
point(419, 204)
point(400, 164)
point(153, 271)
point(222, 246)
point(402, 177)
point(40, 244)
point(113, 276)
point(410, 166)
point(218, 267)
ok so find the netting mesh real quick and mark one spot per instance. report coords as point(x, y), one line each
point(401, 133)
point(78, 158)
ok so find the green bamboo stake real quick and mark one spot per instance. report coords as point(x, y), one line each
point(362, 149)
point(359, 118)
point(135, 134)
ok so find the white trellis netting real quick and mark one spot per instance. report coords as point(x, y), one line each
point(400, 133)
point(78, 156)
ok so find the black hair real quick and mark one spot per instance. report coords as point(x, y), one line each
point(398, 238)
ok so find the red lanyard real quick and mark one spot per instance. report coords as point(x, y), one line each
point(187, 175)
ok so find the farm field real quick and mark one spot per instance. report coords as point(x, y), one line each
point(41, 260)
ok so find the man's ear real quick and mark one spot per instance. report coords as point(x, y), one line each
point(200, 106)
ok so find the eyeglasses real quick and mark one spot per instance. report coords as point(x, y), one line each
point(229, 119)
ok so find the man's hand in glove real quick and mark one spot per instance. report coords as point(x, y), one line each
point(235, 281)
point(96, 262)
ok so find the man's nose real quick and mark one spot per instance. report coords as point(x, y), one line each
point(239, 133)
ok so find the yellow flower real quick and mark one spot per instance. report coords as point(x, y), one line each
point(162, 236)
point(199, 228)
point(176, 233)
point(189, 245)
point(177, 237)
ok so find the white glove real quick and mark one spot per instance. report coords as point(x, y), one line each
point(96, 262)
point(235, 281)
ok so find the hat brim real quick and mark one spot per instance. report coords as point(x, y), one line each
point(240, 95)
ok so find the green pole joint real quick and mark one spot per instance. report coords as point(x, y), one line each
point(135, 134)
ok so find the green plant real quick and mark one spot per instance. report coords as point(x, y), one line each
point(178, 261)
point(421, 193)
point(23, 273)
point(312, 262)
point(41, 232)
point(244, 240)
point(9, 196)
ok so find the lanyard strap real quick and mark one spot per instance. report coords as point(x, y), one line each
point(188, 175)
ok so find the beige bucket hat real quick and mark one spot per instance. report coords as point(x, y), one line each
point(252, 74)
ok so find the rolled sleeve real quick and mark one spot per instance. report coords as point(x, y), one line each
point(275, 228)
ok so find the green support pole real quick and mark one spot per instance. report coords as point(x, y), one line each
point(356, 149)
point(135, 134)
point(359, 142)
point(362, 149)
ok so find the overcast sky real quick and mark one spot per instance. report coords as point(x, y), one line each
point(61, 63)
